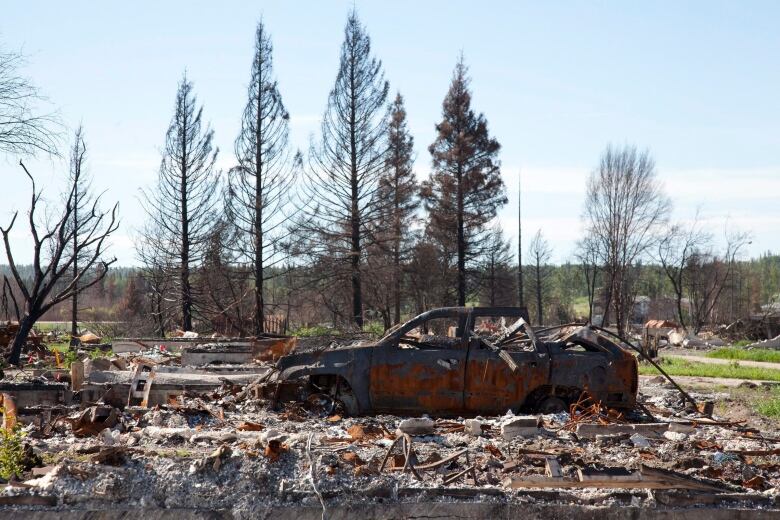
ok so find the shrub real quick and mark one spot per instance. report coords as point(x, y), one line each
point(11, 452)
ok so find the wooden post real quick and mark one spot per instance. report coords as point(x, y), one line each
point(76, 375)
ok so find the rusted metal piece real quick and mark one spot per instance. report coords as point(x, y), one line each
point(432, 465)
point(93, 420)
point(452, 478)
point(389, 451)
point(588, 410)
point(450, 362)
point(8, 407)
point(410, 457)
point(271, 349)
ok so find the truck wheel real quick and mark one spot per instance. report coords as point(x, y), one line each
point(552, 405)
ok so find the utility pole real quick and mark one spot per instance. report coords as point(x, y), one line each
point(520, 299)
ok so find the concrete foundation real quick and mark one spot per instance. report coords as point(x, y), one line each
point(416, 510)
point(28, 395)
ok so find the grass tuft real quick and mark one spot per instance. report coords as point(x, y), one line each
point(769, 406)
point(762, 354)
point(317, 330)
point(682, 367)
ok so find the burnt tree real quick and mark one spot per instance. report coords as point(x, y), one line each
point(465, 189)
point(23, 129)
point(80, 203)
point(181, 206)
point(345, 167)
point(497, 286)
point(540, 253)
point(259, 186)
point(54, 253)
point(625, 207)
point(696, 270)
point(398, 190)
point(587, 254)
point(520, 289)
point(157, 271)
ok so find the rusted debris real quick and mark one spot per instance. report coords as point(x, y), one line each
point(452, 478)
point(112, 456)
point(589, 410)
point(254, 419)
point(409, 457)
point(247, 426)
point(8, 407)
point(93, 420)
point(76, 375)
point(419, 368)
point(360, 432)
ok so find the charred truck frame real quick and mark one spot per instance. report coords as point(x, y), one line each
point(464, 361)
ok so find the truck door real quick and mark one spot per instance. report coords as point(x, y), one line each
point(492, 386)
point(423, 372)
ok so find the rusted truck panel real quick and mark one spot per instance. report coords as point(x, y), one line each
point(465, 361)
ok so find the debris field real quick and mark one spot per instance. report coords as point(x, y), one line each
point(199, 427)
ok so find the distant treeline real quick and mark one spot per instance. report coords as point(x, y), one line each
point(123, 295)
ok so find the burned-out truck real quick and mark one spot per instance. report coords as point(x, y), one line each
point(465, 361)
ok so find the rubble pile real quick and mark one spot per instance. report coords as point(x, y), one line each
point(228, 450)
point(203, 427)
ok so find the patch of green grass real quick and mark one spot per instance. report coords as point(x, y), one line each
point(742, 343)
point(67, 355)
point(681, 367)
point(316, 330)
point(51, 458)
point(97, 353)
point(770, 405)
point(375, 328)
point(60, 346)
point(580, 305)
point(763, 354)
point(49, 326)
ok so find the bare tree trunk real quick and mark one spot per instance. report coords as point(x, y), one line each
point(186, 295)
point(607, 302)
point(520, 291)
point(397, 278)
point(461, 241)
point(25, 326)
point(74, 311)
point(258, 267)
point(357, 290)
point(492, 282)
point(52, 259)
point(539, 310)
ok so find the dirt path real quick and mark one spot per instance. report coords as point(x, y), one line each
point(698, 381)
point(716, 361)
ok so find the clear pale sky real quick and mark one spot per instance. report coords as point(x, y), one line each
point(698, 83)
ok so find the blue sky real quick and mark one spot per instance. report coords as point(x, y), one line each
point(695, 82)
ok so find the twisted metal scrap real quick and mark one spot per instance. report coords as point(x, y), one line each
point(408, 453)
point(588, 410)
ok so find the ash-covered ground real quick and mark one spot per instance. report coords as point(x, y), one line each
point(228, 452)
